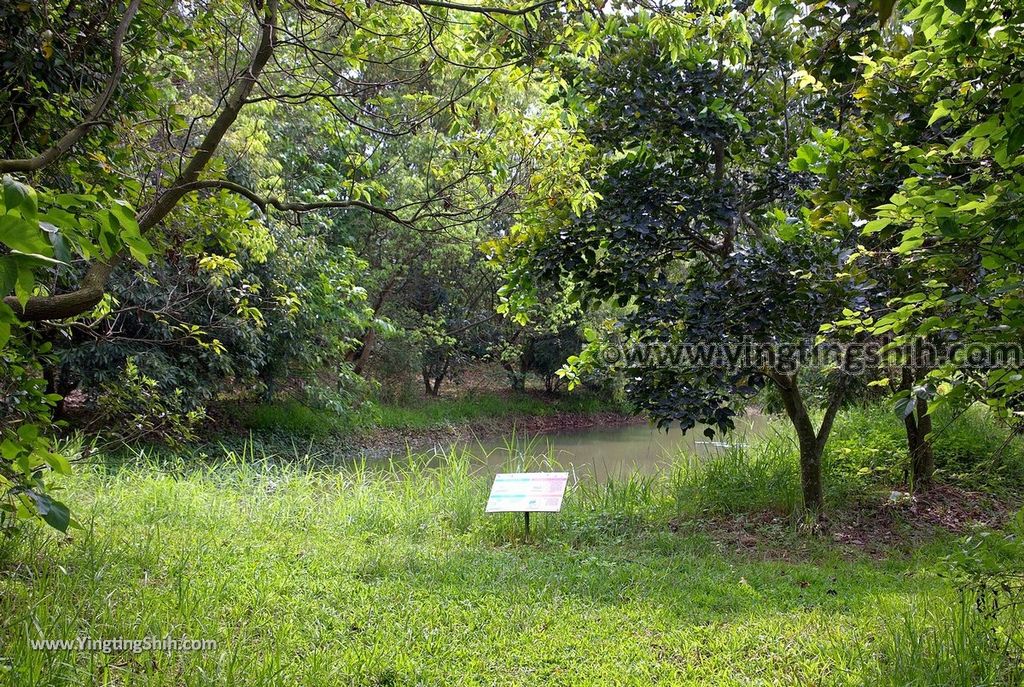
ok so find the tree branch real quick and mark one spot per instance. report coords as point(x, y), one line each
point(285, 206)
point(64, 305)
point(480, 9)
point(93, 285)
point(835, 399)
point(72, 137)
point(166, 201)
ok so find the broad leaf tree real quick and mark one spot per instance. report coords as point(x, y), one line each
point(697, 233)
point(933, 179)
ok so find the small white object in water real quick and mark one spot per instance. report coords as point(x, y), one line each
point(720, 444)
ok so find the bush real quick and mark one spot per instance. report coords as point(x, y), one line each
point(868, 447)
point(988, 569)
point(134, 409)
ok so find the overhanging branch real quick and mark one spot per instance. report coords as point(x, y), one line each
point(286, 206)
point(89, 293)
point(482, 9)
point(72, 137)
point(64, 305)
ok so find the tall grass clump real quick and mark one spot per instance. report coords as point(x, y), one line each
point(941, 643)
point(762, 476)
point(868, 445)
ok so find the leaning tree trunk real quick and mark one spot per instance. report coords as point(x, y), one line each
point(436, 389)
point(363, 356)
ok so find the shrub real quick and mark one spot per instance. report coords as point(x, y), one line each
point(134, 409)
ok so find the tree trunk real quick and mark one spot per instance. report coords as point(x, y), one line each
point(436, 390)
point(361, 356)
point(369, 340)
point(268, 375)
point(919, 445)
point(923, 459)
point(810, 442)
point(807, 441)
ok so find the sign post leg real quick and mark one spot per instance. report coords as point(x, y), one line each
point(526, 520)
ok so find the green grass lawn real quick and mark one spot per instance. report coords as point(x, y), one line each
point(398, 578)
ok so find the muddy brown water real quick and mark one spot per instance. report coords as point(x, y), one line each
point(603, 452)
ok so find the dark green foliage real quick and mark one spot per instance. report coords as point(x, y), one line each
point(691, 236)
point(545, 354)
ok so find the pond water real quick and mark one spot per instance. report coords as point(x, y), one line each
point(603, 452)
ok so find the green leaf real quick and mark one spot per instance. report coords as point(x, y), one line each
point(784, 12)
point(7, 320)
point(125, 215)
point(8, 274)
point(876, 225)
point(18, 196)
point(24, 285)
point(1015, 141)
point(108, 235)
point(22, 235)
point(905, 406)
point(942, 109)
point(58, 463)
point(9, 450)
point(28, 433)
point(54, 513)
point(957, 6)
point(137, 244)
